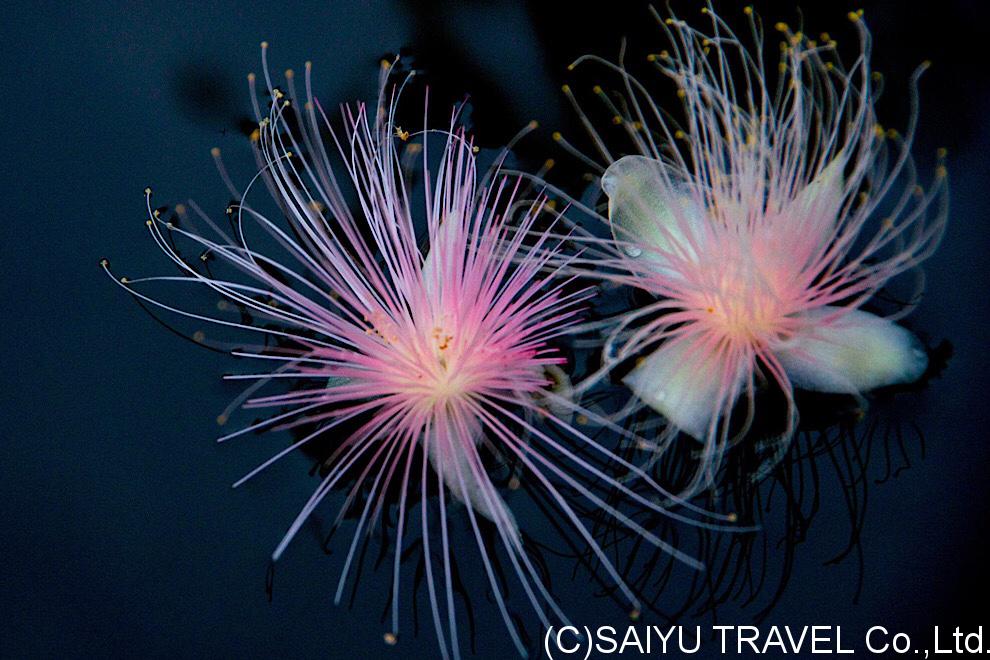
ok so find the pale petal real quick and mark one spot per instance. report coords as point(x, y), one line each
point(815, 210)
point(824, 194)
point(337, 381)
point(682, 382)
point(450, 456)
point(853, 353)
point(563, 388)
point(442, 240)
point(645, 211)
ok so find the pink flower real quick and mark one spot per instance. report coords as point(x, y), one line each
point(762, 220)
point(439, 356)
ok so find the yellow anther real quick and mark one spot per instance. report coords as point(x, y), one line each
point(289, 74)
point(679, 134)
point(942, 152)
point(681, 93)
point(565, 88)
point(215, 152)
point(597, 89)
point(557, 137)
point(941, 172)
point(748, 10)
point(780, 26)
point(390, 638)
point(264, 44)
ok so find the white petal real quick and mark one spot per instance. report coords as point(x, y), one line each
point(442, 240)
point(824, 194)
point(854, 353)
point(815, 210)
point(682, 384)
point(337, 381)
point(562, 388)
point(644, 209)
point(449, 455)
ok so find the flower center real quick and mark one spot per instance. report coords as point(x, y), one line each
point(745, 306)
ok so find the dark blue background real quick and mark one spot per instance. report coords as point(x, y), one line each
point(119, 534)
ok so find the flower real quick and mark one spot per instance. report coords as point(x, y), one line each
point(762, 222)
point(438, 357)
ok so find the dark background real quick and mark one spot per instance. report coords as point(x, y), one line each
point(119, 534)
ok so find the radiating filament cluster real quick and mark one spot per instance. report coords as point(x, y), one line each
point(759, 208)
